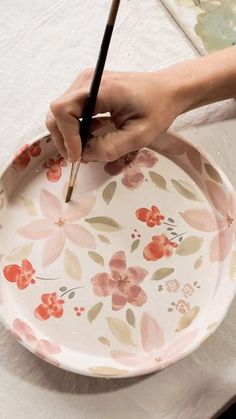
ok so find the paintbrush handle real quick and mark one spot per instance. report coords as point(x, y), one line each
point(96, 81)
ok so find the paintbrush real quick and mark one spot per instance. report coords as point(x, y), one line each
point(92, 97)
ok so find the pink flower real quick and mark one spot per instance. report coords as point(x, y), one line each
point(187, 290)
point(23, 156)
point(182, 306)
point(121, 283)
point(43, 348)
point(223, 221)
point(131, 167)
point(59, 224)
point(156, 353)
point(22, 275)
point(172, 286)
point(51, 306)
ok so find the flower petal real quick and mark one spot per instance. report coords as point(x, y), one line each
point(47, 347)
point(117, 264)
point(175, 349)
point(27, 267)
point(115, 167)
point(142, 214)
point(119, 300)
point(103, 285)
point(145, 158)
point(218, 197)
point(12, 272)
point(131, 359)
point(136, 296)
point(75, 211)
point(221, 245)
point(38, 229)
point(42, 312)
point(22, 329)
point(202, 220)
point(152, 333)
point(50, 205)
point(133, 177)
point(194, 158)
point(80, 236)
point(136, 274)
point(53, 247)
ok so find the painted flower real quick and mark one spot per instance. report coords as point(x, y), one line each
point(157, 354)
point(223, 220)
point(172, 285)
point(24, 154)
point(182, 306)
point(159, 247)
point(43, 348)
point(51, 306)
point(122, 283)
point(131, 167)
point(22, 275)
point(59, 224)
point(151, 217)
point(187, 290)
point(54, 168)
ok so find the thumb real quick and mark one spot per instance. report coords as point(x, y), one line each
point(113, 145)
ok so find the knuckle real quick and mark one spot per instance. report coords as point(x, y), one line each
point(50, 123)
point(57, 107)
point(88, 73)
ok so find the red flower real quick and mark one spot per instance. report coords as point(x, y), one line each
point(51, 306)
point(152, 217)
point(159, 247)
point(23, 156)
point(54, 171)
point(22, 275)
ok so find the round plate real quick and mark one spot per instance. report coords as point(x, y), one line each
point(131, 275)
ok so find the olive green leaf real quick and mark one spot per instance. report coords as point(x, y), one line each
point(162, 273)
point(72, 265)
point(109, 192)
point(187, 318)
point(158, 180)
point(96, 257)
point(189, 246)
point(186, 190)
point(104, 224)
point(20, 252)
point(94, 312)
point(120, 330)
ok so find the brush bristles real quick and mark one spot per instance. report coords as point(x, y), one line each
point(69, 194)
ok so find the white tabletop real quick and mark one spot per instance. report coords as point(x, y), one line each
point(43, 46)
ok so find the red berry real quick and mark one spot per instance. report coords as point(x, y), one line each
point(78, 313)
point(82, 308)
point(76, 308)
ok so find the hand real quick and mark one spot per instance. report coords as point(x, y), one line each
point(141, 106)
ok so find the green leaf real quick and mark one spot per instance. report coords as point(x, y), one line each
point(135, 245)
point(186, 190)
point(72, 265)
point(20, 252)
point(29, 206)
point(187, 318)
point(232, 268)
point(104, 224)
point(189, 246)
point(158, 180)
point(96, 257)
point(120, 330)
point(198, 262)
point(104, 341)
point(71, 295)
point(94, 312)
point(63, 289)
point(109, 192)
point(162, 273)
point(103, 239)
point(108, 371)
point(130, 317)
point(212, 173)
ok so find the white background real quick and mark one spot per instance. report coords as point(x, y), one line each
point(43, 45)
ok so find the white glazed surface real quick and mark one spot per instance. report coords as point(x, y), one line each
point(29, 387)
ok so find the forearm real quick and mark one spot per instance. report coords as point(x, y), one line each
point(204, 80)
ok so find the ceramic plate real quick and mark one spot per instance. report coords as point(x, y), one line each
point(130, 276)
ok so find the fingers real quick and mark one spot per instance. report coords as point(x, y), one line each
point(116, 144)
point(67, 111)
point(55, 133)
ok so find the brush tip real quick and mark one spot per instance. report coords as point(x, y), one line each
point(69, 194)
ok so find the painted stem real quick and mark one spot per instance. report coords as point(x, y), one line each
point(179, 235)
point(168, 224)
point(72, 289)
point(46, 279)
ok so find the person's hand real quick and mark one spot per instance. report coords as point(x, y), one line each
point(141, 106)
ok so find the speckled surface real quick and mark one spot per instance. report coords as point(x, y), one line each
point(43, 46)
